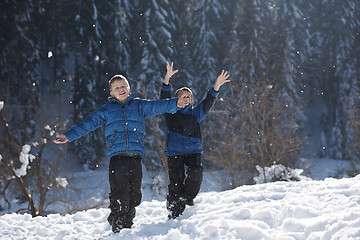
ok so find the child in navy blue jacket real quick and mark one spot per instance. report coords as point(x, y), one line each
point(123, 117)
point(183, 145)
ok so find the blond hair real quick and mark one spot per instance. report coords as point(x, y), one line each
point(118, 77)
point(183, 89)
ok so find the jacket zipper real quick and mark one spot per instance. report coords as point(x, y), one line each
point(112, 140)
point(139, 137)
point(126, 132)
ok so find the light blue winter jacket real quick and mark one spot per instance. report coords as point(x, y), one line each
point(124, 123)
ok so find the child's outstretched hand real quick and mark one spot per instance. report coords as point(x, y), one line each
point(170, 72)
point(61, 139)
point(221, 79)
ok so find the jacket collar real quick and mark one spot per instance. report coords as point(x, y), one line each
point(127, 101)
point(186, 109)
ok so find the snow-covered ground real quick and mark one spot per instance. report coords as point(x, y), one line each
point(322, 209)
point(311, 209)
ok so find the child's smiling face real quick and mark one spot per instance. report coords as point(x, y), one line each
point(120, 90)
point(186, 95)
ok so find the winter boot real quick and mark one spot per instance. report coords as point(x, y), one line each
point(115, 223)
point(128, 220)
point(189, 202)
point(176, 208)
point(117, 226)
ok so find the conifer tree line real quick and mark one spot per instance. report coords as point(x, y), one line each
point(284, 57)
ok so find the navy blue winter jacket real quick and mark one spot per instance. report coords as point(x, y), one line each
point(124, 123)
point(183, 133)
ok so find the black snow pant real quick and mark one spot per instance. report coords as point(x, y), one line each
point(185, 175)
point(125, 175)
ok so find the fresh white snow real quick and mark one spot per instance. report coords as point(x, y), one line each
point(311, 209)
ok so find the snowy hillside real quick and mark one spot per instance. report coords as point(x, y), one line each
point(326, 209)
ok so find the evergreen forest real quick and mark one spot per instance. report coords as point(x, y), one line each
point(294, 65)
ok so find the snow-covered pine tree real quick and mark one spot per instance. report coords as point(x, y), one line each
point(334, 30)
point(20, 73)
point(259, 127)
point(209, 34)
point(87, 96)
point(157, 49)
point(180, 13)
point(115, 30)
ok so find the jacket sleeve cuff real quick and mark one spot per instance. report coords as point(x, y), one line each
point(166, 88)
point(70, 135)
point(213, 93)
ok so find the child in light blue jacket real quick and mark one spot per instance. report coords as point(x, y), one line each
point(123, 117)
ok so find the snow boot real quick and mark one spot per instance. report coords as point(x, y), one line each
point(115, 223)
point(175, 208)
point(128, 219)
point(189, 202)
point(116, 226)
point(119, 222)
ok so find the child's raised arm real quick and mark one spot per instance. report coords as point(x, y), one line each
point(221, 79)
point(170, 72)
